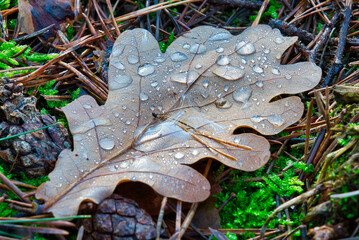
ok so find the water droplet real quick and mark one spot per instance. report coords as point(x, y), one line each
point(198, 66)
point(205, 84)
point(107, 143)
point(275, 71)
point(178, 57)
point(242, 94)
point(229, 72)
point(118, 65)
point(128, 122)
point(257, 119)
point(288, 76)
point(223, 60)
point(186, 46)
point(245, 48)
point(117, 51)
point(179, 155)
point(279, 40)
point(87, 106)
point(237, 140)
point(124, 164)
point(225, 88)
point(195, 152)
point(154, 84)
point(133, 179)
point(259, 84)
point(159, 59)
point(257, 69)
point(197, 48)
point(276, 120)
point(143, 96)
point(145, 69)
point(266, 51)
point(204, 95)
point(223, 103)
point(220, 36)
point(185, 77)
point(220, 50)
point(133, 59)
point(120, 81)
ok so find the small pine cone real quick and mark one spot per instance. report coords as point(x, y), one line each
point(34, 153)
point(117, 218)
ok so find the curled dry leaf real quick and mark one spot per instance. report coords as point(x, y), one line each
point(35, 15)
point(167, 110)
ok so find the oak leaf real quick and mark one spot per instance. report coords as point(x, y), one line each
point(167, 110)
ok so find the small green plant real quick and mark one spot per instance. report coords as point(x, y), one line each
point(11, 53)
point(164, 46)
point(272, 11)
point(256, 200)
point(48, 89)
point(4, 4)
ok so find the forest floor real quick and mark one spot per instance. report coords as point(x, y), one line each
point(309, 189)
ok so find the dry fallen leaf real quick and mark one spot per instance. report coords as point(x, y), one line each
point(167, 110)
point(39, 14)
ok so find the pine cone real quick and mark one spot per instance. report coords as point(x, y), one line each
point(34, 153)
point(117, 218)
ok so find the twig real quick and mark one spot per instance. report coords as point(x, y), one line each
point(337, 64)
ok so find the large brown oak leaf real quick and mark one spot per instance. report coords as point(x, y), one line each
point(167, 110)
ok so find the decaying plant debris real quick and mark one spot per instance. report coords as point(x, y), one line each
point(176, 98)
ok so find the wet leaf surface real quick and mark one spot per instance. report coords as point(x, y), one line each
point(167, 110)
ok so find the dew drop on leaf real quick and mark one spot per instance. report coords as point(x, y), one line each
point(229, 72)
point(179, 155)
point(178, 57)
point(220, 36)
point(223, 103)
point(86, 106)
point(242, 94)
point(118, 65)
point(133, 59)
point(107, 143)
point(220, 50)
point(279, 40)
point(223, 60)
point(259, 84)
point(186, 46)
point(120, 81)
point(145, 69)
point(276, 120)
point(288, 76)
point(143, 96)
point(185, 77)
point(197, 48)
point(124, 164)
point(160, 59)
point(275, 71)
point(195, 152)
point(205, 84)
point(154, 84)
point(258, 69)
point(245, 48)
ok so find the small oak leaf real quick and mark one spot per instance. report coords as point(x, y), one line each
point(167, 110)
